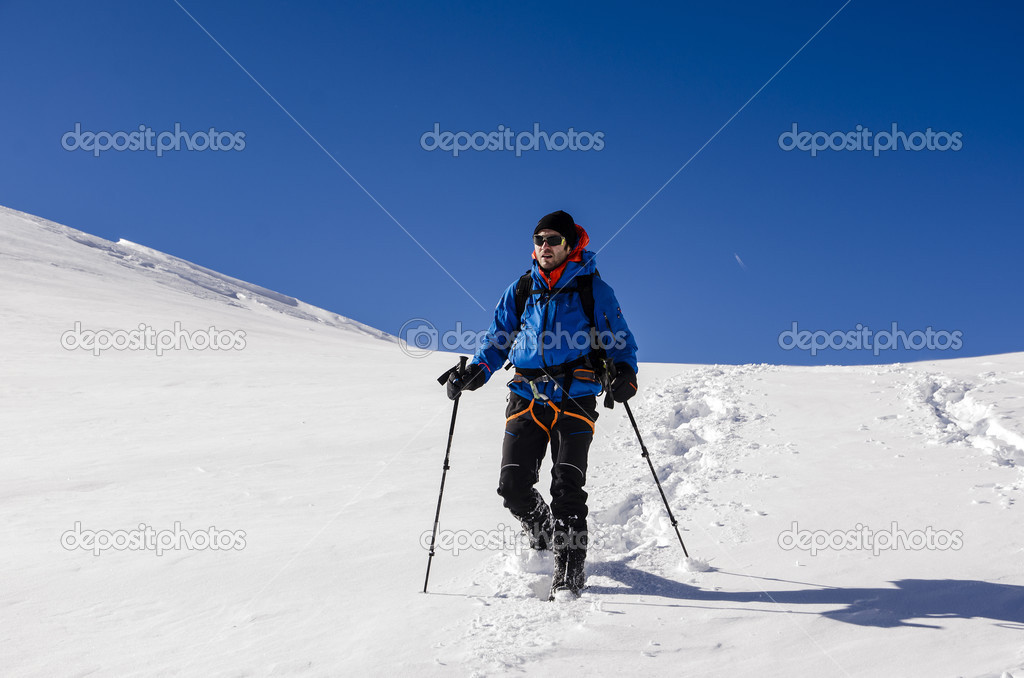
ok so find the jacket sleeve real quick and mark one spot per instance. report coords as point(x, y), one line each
point(613, 332)
point(494, 350)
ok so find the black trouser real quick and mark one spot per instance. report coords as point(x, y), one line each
point(533, 424)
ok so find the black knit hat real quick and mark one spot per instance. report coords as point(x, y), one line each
point(562, 223)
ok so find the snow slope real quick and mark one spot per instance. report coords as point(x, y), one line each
point(323, 443)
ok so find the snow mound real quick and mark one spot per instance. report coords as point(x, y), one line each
point(697, 565)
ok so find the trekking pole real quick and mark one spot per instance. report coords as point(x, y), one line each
point(608, 375)
point(647, 456)
point(460, 369)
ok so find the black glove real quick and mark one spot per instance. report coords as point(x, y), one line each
point(624, 385)
point(470, 380)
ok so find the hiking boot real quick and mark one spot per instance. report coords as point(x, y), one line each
point(569, 542)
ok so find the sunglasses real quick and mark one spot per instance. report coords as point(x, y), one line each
point(551, 240)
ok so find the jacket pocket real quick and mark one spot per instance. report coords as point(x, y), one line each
point(585, 375)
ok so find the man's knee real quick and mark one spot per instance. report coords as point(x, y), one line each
point(515, 485)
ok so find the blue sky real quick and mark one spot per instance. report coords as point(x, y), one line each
point(923, 238)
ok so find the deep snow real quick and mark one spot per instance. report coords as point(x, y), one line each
point(323, 442)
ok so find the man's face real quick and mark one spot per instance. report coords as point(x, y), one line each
point(550, 257)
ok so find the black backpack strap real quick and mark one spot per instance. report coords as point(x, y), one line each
point(523, 288)
point(597, 356)
point(522, 291)
point(585, 288)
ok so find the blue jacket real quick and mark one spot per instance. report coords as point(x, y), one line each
point(555, 330)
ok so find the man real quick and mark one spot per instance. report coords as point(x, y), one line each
point(553, 397)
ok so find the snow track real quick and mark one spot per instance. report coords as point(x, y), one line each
point(693, 425)
point(962, 415)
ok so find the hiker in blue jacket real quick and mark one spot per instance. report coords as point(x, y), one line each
point(560, 326)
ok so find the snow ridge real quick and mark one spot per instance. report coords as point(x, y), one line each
point(181, 275)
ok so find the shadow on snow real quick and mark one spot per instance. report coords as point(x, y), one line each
point(881, 607)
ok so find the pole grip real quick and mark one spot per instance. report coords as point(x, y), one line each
point(458, 369)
